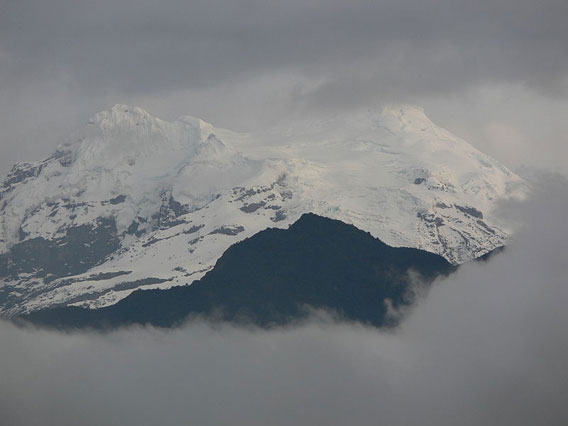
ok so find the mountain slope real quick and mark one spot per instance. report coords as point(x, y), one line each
point(270, 279)
point(153, 204)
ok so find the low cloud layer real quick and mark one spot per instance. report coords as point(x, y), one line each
point(487, 346)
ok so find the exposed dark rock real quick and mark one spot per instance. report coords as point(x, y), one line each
point(118, 199)
point(278, 216)
point(22, 235)
point(23, 171)
point(107, 275)
point(95, 277)
point(472, 211)
point(193, 229)
point(273, 278)
point(252, 207)
point(134, 229)
point(430, 218)
point(154, 240)
point(281, 181)
point(253, 191)
point(195, 241)
point(489, 255)
point(80, 249)
point(228, 230)
point(172, 223)
point(485, 226)
point(20, 172)
point(170, 211)
point(65, 159)
point(418, 181)
point(128, 285)
point(177, 208)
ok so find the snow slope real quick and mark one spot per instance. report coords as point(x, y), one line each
point(175, 195)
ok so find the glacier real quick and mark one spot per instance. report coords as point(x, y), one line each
point(134, 201)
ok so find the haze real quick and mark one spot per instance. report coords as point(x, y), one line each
point(493, 72)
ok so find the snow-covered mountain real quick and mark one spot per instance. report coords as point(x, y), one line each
point(138, 202)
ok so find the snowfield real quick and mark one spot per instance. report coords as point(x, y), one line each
point(173, 196)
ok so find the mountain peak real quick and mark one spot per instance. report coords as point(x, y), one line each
point(123, 115)
point(128, 109)
point(168, 198)
point(407, 110)
point(120, 114)
point(405, 117)
point(137, 131)
point(131, 135)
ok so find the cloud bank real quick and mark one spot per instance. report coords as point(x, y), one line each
point(248, 63)
point(488, 346)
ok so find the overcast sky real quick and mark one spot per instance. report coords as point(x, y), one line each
point(494, 72)
point(487, 346)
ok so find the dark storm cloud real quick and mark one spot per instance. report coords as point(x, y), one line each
point(147, 46)
point(488, 346)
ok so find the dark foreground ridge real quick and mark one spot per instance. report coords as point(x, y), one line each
point(273, 278)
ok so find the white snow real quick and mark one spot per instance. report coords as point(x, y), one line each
point(392, 173)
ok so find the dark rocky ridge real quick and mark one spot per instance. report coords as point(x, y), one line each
point(81, 248)
point(274, 278)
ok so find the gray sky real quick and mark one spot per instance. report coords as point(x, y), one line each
point(494, 72)
point(486, 347)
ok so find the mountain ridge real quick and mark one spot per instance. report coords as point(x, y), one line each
point(175, 195)
point(277, 277)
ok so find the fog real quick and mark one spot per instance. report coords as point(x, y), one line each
point(487, 346)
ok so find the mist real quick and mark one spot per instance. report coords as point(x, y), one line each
point(486, 346)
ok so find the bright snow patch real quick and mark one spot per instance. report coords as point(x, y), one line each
point(181, 193)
